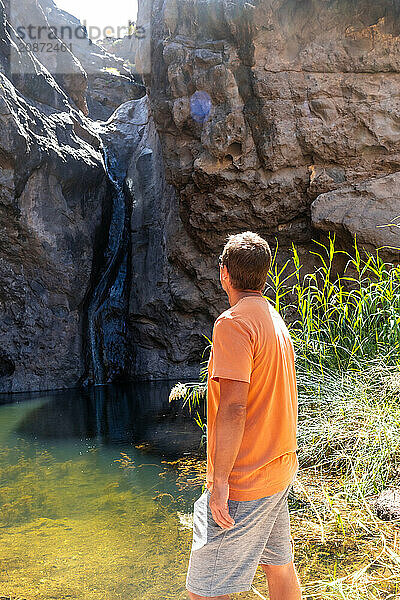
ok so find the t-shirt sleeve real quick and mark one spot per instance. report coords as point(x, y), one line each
point(232, 351)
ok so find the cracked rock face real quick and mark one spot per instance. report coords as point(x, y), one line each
point(304, 106)
point(53, 187)
point(52, 190)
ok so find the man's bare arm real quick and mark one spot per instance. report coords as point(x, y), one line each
point(229, 426)
point(229, 429)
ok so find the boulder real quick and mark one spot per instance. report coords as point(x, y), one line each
point(387, 505)
point(369, 210)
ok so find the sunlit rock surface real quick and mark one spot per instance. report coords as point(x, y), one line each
point(357, 210)
point(95, 81)
point(303, 101)
point(53, 189)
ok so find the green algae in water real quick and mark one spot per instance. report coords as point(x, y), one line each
point(83, 528)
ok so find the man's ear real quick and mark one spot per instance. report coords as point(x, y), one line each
point(228, 278)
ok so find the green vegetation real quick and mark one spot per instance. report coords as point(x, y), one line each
point(340, 321)
point(346, 332)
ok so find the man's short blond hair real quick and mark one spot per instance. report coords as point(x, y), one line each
point(247, 257)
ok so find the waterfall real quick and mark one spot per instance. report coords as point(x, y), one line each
point(108, 305)
point(108, 348)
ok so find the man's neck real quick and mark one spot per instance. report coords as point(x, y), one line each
point(234, 295)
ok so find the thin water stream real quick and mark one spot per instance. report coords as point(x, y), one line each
point(108, 305)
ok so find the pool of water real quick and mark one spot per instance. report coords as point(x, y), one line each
point(90, 508)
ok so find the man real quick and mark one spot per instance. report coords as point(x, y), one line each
point(242, 520)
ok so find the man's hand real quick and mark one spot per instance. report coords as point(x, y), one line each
point(219, 505)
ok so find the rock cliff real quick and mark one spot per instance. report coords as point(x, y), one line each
point(168, 309)
point(278, 116)
point(87, 292)
point(56, 201)
point(281, 116)
point(52, 190)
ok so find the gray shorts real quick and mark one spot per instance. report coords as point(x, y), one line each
point(224, 561)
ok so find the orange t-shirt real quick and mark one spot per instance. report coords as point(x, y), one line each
point(251, 343)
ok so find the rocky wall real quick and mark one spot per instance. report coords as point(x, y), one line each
point(274, 113)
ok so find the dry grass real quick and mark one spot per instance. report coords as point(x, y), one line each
point(342, 550)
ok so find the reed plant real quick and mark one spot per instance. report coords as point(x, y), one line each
point(349, 427)
point(339, 321)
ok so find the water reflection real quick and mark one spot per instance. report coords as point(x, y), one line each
point(137, 414)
